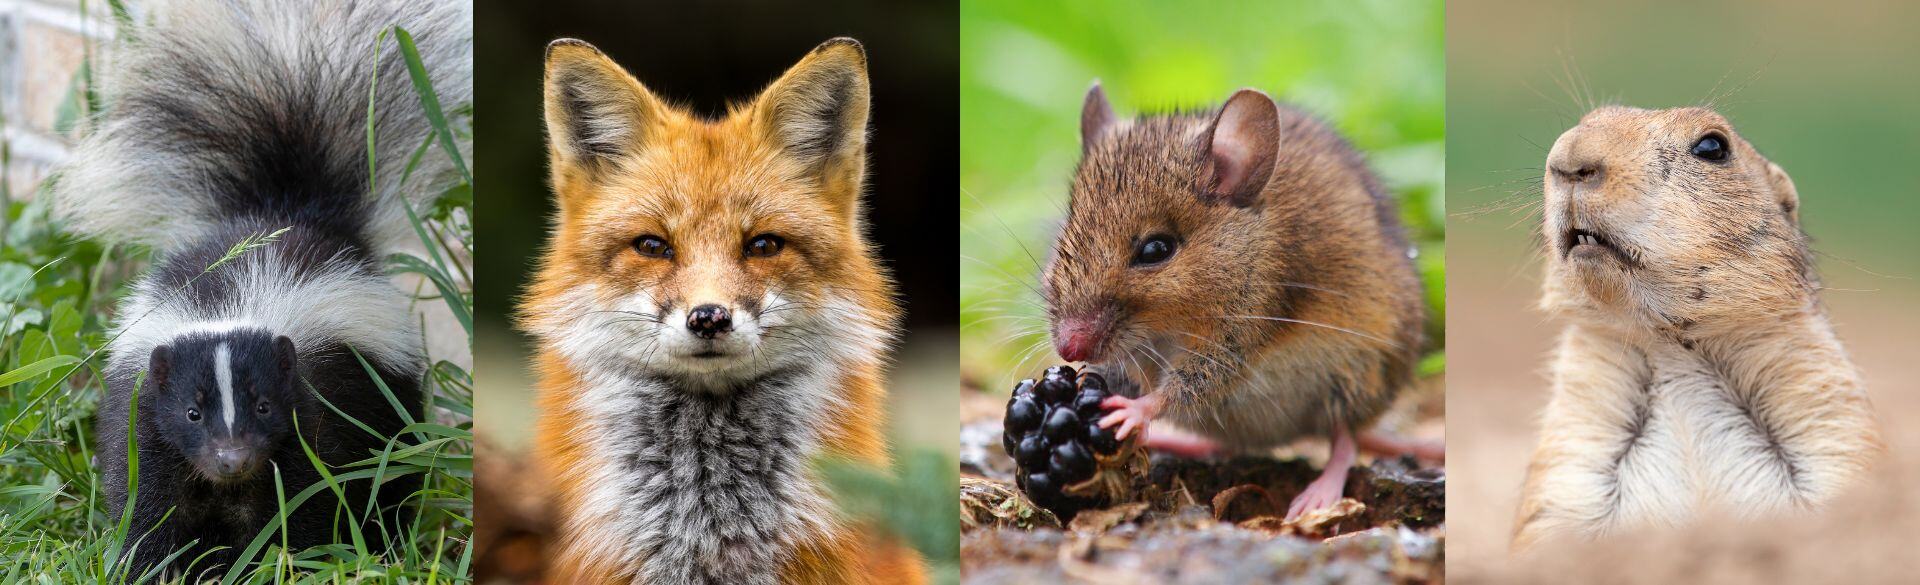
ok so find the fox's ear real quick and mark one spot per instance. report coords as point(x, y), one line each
point(1783, 193)
point(596, 112)
point(1241, 146)
point(817, 112)
point(1096, 115)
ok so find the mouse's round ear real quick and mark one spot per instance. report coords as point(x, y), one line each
point(1783, 192)
point(159, 365)
point(1096, 115)
point(1241, 147)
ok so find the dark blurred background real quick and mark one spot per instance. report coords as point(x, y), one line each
point(706, 55)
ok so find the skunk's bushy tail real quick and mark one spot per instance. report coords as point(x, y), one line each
point(223, 110)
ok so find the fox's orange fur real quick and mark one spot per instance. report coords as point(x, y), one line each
point(791, 163)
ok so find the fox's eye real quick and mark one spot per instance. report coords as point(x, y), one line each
point(764, 245)
point(652, 246)
point(1711, 147)
point(1153, 250)
point(261, 407)
point(193, 414)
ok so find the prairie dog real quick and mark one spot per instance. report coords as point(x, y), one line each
point(1697, 370)
point(1246, 268)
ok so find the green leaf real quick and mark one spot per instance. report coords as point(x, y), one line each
point(28, 371)
point(423, 85)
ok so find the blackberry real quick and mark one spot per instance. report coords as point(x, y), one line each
point(1053, 433)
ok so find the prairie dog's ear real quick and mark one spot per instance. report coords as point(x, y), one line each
point(817, 113)
point(596, 112)
point(159, 365)
point(1096, 115)
point(1784, 194)
point(1241, 147)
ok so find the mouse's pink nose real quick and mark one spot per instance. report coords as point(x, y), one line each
point(1077, 342)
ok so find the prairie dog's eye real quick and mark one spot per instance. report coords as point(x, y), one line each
point(261, 407)
point(193, 414)
point(1153, 250)
point(1712, 147)
point(652, 246)
point(765, 245)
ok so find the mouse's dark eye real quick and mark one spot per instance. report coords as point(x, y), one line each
point(652, 247)
point(261, 407)
point(765, 245)
point(1153, 250)
point(193, 414)
point(1711, 147)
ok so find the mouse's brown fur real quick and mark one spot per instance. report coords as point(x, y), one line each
point(1290, 304)
point(1697, 369)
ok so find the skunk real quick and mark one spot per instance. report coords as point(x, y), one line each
point(234, 145)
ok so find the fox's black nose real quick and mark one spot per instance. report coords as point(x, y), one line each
point(709, 321)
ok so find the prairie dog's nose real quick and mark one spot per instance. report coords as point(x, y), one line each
point(709, 321)
point(1574, 162)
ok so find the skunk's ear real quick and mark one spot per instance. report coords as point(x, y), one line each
point(817, 113)
point(284, 356)
point(1241, 146)
point(596, 112)
point(1096, 115)
point(159, 365)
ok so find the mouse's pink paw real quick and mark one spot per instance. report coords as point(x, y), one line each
point(1129, 414)
point(1323, 493)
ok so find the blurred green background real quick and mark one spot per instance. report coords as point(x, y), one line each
point(1373, 68)
point(1826, 90)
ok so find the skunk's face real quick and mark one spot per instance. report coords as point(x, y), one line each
point(224, 401)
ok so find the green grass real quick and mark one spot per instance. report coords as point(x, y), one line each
point(1374, 69)
point(57, 295)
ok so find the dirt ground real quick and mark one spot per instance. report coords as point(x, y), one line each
point(1497, 347)
point(1211, 521)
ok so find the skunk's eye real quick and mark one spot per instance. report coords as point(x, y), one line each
point(1153, 250)
point(193, 414)
point(765, 245)
point(1711, 147)
point(652, 247)
point(261, 407)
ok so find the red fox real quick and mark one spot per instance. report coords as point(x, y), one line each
point(711, 320)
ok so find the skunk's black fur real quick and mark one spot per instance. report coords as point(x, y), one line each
point(230, 122)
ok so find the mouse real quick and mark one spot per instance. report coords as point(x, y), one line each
point(1245, 271)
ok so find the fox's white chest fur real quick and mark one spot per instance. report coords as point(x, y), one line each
point(699, 487)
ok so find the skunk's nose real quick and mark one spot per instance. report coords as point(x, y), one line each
point(709, 321)
point(232, 462)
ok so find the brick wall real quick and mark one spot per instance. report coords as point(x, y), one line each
point(42, 46)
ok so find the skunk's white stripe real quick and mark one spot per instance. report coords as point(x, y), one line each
point(223, 375)
point(362, 310)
